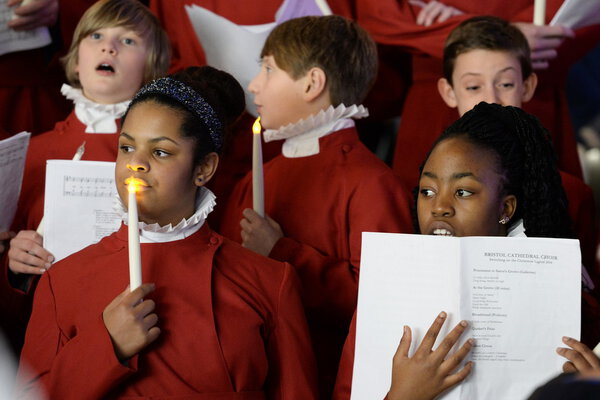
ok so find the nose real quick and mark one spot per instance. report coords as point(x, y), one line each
point(108, 46)
point(491, 96)
point(442, 206)
point(138, 166)
point(253, 85)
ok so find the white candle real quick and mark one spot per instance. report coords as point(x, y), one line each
point(135, 263)
point(258, 191)
point(539, 12)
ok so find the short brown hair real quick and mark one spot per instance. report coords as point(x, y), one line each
point(130, 14)
point(486, 33)
point(342, 49)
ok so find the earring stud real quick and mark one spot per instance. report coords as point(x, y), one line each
point(504, 220)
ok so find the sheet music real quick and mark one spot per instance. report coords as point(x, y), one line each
point(577, 14)
point(11, 40)
point(13, 152)
point(520, 296)
point(236, 48)
point(79, 205)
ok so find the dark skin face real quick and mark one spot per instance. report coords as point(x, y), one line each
point(460, 192)
point(152, 150)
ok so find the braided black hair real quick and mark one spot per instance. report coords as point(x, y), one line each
point(527, 160)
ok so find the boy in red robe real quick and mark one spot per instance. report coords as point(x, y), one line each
point(488, 59)
point(326, 188)
point(117, 47)
point(424, 115)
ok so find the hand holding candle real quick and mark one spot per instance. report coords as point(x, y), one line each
point(258, 194)
point(135, 262)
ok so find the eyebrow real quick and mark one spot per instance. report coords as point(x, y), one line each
point(456, 176)
point(154, 140)
point(478, 73)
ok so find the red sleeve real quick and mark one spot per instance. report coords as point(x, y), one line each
point(378, 204)
point(83, 366)
point(292, 367)
point(393, 22)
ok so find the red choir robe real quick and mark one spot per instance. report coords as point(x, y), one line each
point(60, 143)
point(232, 325)
point(323, 203)
point(425, 115)
point(30, 80)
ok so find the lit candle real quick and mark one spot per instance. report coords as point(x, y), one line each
point(258, 193)
point(76, 157)
point(135, 263)
point(539, 12)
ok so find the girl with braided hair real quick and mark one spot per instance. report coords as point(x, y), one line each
point(527, 197)
point(212, 320)
point(491, 173)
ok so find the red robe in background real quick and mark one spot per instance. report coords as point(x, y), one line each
point(425, 115)
point(323, 203)
point(30, 80)
point(232, 325)
point(60, 143)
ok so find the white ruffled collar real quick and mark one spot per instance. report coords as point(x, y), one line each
point(302, 137)
point(517, 229)
point(98, 118)
point(154, 233)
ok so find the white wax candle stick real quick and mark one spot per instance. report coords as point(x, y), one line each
point(597, 350)
point(76, 157)
point(539, 12)
point(135, 263)
point(258, 192)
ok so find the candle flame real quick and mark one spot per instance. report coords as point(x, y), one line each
point(133, 184)
point(256, 128)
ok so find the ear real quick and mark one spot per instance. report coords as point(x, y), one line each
point(205, 171)
point(509, 206)
point(529, 85)
point(447, 92)
point(314, 84)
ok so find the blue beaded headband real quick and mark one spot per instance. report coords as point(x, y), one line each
point(190, 99)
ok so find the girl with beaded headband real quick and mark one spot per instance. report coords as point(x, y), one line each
point(117, 47)
point(213, 320)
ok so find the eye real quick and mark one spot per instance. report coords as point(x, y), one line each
point(427, 192)
point(125, 148)
point(95, 35)
point(507, 85)
point(161, 153)
point(473, 88)
point(463, 193)
point(128, 41)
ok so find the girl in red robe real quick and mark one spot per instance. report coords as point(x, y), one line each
point(214, 321)
point(491, 173)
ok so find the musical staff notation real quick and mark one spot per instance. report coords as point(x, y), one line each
point(78, 186)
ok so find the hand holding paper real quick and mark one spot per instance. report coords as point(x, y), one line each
point(26, 254)
point(32, 14)
point(580, 357)
point(428, 372)
point(544, 41)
